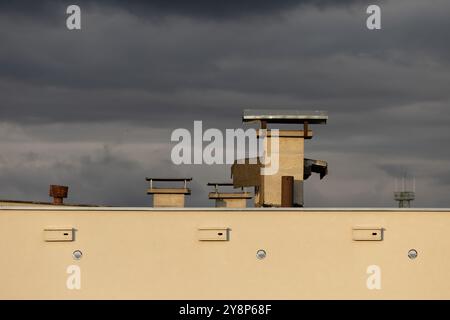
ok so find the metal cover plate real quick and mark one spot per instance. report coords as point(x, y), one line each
point(285, 116)
point(213, 234)
point(59, 234)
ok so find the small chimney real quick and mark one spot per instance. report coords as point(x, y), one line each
point(228, 199)
point(286, 147)
point(58, 193)
point(169, 197)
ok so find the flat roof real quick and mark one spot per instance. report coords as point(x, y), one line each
point(285, 116)
point(44, 203)
point(213, 209)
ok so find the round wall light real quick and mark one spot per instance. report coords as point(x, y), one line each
point(77, 254)
point(412, 254)
point(261, 254)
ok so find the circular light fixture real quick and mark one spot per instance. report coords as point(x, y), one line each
point(412, 254)
point(77, 254)
point(261, 254)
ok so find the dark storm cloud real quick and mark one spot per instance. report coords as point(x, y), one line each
point(194, 8)
point(220, 9)
point(117, 63)
point(126, 80)
point(119, 179)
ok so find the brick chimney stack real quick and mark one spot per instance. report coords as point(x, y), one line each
point(58, 193)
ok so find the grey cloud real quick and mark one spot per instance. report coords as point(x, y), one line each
point(195, 8)
point(120, 63)
point(119, 180)
point(395, 170)
point(127, 81)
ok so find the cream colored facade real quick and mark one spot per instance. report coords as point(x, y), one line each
point(230, 200)
point(168, 200)
point(211, 253)
point(290, 155)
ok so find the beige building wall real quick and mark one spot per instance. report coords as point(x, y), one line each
point(230, 200)
point(290, 155)
point(168, 197)
point(168, 200)
point(231, 203)
point(145, 253)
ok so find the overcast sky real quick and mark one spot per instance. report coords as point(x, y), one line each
point(94, 108)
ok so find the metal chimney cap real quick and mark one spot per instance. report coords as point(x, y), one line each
point(168, 179)
point(285, 116)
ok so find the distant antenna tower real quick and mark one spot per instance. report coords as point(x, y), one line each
point(404, 196)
